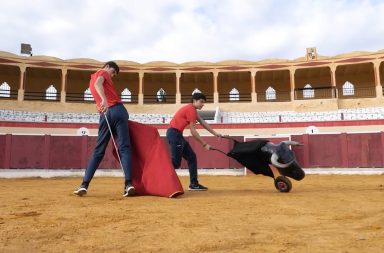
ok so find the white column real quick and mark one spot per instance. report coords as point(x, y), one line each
point(333, 78)
point(63, 85)
point(253, 86)
point(20, 92)
point(141, 95)
point(292, 71)
point(178, 94)
point(215, 91)
point(379, 87)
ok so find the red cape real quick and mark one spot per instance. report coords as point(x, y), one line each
point(152, 169)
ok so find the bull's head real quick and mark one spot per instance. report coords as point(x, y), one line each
point(282, 156)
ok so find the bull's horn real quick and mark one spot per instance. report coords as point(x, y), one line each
point(293, 143)
point(276, 163)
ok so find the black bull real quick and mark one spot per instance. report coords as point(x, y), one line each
point(257, 155)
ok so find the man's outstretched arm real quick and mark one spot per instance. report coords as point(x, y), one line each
point(192, 127)
point(206, 126)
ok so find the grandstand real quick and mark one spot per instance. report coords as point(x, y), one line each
point(213, 117)
point(302, 85)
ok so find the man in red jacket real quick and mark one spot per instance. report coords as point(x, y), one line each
point(187, 116)
point(109, 105)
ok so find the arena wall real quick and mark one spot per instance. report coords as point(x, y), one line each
point(29, 77)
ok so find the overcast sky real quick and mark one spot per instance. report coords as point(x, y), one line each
point(190, 30)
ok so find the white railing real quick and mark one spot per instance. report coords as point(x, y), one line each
point(220, 117)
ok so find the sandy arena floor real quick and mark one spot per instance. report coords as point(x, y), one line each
point(323, 213)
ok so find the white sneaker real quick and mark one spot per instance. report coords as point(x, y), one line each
point(129, 191)
point(81, 191)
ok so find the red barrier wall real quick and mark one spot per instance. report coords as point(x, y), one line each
point(355, 150)
point(65, 152)
point(365, 150)
point(50, 152)
point(324, 150)
point(29, 152)
point(3, 151)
